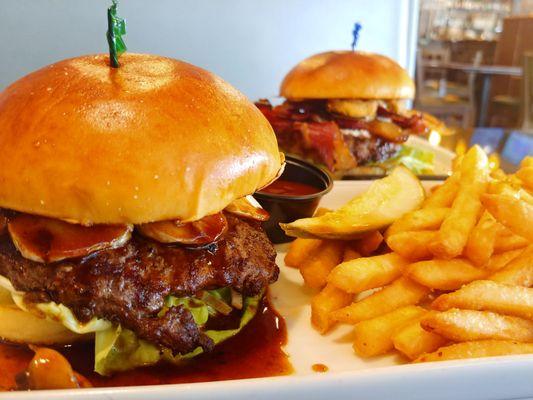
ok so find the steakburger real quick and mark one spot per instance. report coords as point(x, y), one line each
point(124, 209)
point(346, 110)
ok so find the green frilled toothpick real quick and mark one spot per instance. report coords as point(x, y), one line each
point(116, 27)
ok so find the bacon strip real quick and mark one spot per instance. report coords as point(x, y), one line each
point(320, 137)
point(308, 128)
point(414, 123)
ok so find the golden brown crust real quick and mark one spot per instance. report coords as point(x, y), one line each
point(154, 139)
point(347, 75)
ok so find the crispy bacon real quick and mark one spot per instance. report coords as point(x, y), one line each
point(320, 137)
point(351, 123)
point(279, 117)
point(414, 123)
point(308, 128)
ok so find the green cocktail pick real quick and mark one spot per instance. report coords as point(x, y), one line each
point(116, 27)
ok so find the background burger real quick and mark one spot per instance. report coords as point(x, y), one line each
point(124, 214)
point(346, 110)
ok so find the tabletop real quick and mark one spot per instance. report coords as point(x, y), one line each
point(480, 69)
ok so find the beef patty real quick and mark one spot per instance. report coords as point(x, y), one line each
point(128, 285)
point(372, 149)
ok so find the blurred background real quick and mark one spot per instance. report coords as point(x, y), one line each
point(474, 70)
point(472, 60)
point(251, 44)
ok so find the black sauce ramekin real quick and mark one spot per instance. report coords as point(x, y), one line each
point(287, 208)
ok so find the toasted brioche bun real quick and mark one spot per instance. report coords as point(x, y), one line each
point(152, 140)
point(347, 75)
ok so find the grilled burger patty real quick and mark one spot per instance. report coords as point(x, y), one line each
point(371, 150)
point(128, 285)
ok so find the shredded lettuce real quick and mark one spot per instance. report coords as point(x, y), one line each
point(55, 312)
point(119, 349)
point(419, 161)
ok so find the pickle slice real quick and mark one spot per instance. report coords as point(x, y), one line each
point(385, 201)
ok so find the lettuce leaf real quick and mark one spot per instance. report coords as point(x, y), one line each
point(419, 161)
point(119, 349)
point(55, 312)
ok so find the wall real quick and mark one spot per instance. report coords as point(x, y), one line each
point(250, 43)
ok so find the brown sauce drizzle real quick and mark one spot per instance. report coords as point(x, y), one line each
point(204, 231)
point(51, 239)
point(255, 352)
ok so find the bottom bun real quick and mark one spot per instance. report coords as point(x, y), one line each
point(22, 327)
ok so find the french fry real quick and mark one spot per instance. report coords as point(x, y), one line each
point(458, 159)
point(494, 162)
point(444, 274)
point(412, 245)
point(444, 195)
point(526, 196)
point(498, 261)
point(518, 272)
point(525, 174)
point(316, 269)
point(300, 250)
point(322, 304)
point(480, 244)
point(489, 296)
point(368, 243)
point(350, 254)
point(419, 220)
point(366, 273)
point(473, 236)
point(412, 340)
point(321, 211)
point(466, 325)
point(498, 174)
point(526, 162)
point(510, 242)
point(456, 227)
point(402, 292)
point(477, 349)
point(516, 214)
point(511, 186)
point(374, 336)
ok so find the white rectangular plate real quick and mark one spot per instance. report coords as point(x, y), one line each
point(349, 377)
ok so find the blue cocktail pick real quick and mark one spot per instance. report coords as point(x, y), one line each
point(356, 28)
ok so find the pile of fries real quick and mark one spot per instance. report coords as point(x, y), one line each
point(451, 279)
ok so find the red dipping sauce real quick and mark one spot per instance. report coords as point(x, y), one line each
point(288, 188)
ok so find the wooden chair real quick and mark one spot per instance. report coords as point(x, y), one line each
point(523, 103)
point(527, 94)
point(448, 108)
point(434, 82)
point(513, 43)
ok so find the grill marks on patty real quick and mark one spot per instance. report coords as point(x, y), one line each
point(128, 285)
